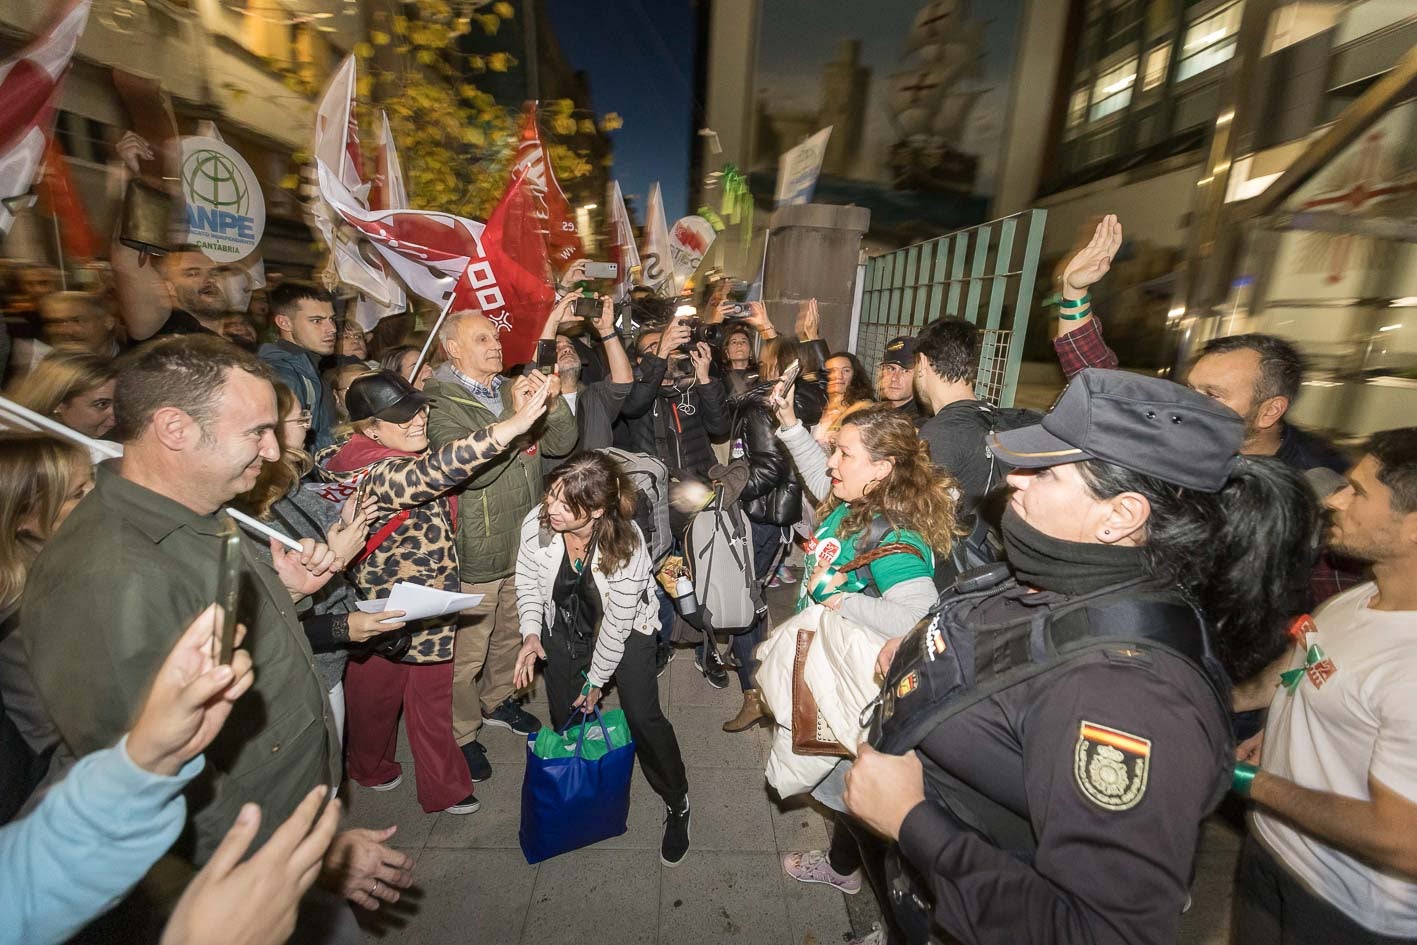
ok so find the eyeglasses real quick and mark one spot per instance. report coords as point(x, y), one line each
point(304, 420)
point(408, 424)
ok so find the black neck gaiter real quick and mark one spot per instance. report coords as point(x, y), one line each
point(1066, 567)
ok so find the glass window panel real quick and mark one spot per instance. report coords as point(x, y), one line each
point(1209, 41)
point(1157, 58)
point(1077, 107)
point(1113, 89)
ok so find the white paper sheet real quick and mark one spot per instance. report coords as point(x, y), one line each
point(420, 602)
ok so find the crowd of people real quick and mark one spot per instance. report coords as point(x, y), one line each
point(1089, 627)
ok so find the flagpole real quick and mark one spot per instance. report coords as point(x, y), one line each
point(432, 335)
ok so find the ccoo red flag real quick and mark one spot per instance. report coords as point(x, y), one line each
point(517, 252)
point(553, 211)
point(56, 187)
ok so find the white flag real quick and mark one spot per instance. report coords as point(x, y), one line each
point(657, 263)
point(622, 239)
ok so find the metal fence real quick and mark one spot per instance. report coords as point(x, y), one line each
point(976, 274)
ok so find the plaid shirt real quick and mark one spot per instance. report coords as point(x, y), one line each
point(1084, 347)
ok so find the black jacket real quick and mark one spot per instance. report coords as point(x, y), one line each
point(677, 424)
point(773, 495)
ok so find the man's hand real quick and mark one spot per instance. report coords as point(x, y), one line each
point(190, 698)
point(1250, 749)
point(675, 336)
point(133, 148)
point(363, 870)
point(881, 789)
point(574, 273)
point(255, 903)
point(605, 320)
point(530, 395)
point(809, 321)
point(701, 356)
point(525, 669)
point(306, 571)
point(562, 313)
point(1092, 261)
point(587, 701)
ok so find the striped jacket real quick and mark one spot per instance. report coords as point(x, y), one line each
point(627, 598)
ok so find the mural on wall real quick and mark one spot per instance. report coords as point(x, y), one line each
point(917, 94)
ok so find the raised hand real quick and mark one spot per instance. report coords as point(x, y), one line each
point(758, 317)
point(254, 903)
point(676, 335)
point(605, 320)
point(782, 400)
point(347, 535)
point(133, 148)
point(530, 395)
point(701, 355)
point(809, 321)
point(190, 698)
point(1092, 261)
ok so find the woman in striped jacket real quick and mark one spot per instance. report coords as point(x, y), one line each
point(587, 608)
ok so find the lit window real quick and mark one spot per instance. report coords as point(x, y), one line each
point(1157, 59)
point(1112, 91)
point(1209, 42)
point(1077, 107)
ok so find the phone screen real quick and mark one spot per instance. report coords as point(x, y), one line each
point(228, 590)
point(789, 376)
point(546, 356)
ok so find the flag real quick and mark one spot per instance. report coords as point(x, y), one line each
point(439, 256)
point(622, 239)
point(337, 148)
point(553, 210)
point(56, 186)
point(386, 192)
point(657, 264)
point(29, 89)
point(518, 253)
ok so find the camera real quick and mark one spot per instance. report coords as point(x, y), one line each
point(587, 307)
point(711, 334)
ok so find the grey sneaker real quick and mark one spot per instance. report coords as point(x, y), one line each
point(813, 867)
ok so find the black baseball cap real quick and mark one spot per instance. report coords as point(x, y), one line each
point(900, 352)
point(1145, 424)
point(385, 396)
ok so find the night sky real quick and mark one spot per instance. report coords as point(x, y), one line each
point(639, 54)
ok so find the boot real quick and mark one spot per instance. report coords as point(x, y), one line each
point(752, 713)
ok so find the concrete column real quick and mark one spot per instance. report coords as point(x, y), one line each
point(813, 254)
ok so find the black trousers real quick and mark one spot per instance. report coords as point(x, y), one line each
point(637, 681)
point(1274, 908)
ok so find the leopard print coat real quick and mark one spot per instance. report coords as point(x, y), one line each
point(422, 550)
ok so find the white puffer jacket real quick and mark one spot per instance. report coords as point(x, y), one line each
point(841, 674)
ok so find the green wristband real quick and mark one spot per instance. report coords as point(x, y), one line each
point(1074, 303)
point(1243, 778)
point(1076, 316)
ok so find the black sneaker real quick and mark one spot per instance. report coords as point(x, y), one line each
point(477, 764)
point(467, 805)
point(675, 845)
point(509, 715)
point(712, 669)
point(663, 657)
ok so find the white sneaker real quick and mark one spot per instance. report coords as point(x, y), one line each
point(812, 867)
point(387, 785)
point(467, 805)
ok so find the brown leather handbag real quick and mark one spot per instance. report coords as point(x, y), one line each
point(810, 735)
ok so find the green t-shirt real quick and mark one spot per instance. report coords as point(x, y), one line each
point(885, 572)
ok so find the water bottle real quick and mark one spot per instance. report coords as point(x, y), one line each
point(684, 596)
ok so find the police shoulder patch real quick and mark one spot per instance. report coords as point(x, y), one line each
point(1111, 766)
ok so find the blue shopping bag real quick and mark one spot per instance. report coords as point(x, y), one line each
point(574, 801)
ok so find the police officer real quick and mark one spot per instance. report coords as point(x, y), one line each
point(1048, 743)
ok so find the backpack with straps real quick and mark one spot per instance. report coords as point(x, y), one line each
point(651, 479)
point(718, 549)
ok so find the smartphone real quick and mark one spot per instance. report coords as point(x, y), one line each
point(602, 270)
point(228, 590)
point(586, 307)
point(790, 374)
point(145, 216)
point(546, 355)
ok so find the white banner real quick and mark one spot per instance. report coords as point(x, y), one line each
point(226, 211)
point(657, 261)
point(798, 168)
point(689, 241)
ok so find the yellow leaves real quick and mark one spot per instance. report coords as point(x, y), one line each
point(425, 57)
point(611, 122)
point(290, 182)
point(363, 50)
point(474, 137)
point(462, 26)
point(401, 26)
point(467, 90)
point(300, 156)
point(477, 63)
point(563, 126)
point(504, 10)
point(364, 86)
point(499, 62)
point(379, 37)
point(560, 108)
point(489, 23)
point(585, 126)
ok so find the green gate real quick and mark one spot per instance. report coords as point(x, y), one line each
point(977, 274)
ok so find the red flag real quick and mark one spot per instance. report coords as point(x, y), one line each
point(29, 88)
point(518, 254)
point(553, 211)
point(56, 187)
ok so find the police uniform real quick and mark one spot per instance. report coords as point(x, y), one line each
point(1072, 743)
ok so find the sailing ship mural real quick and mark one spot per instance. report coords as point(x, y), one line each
point(917, 94)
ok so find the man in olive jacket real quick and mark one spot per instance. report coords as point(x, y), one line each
point(138, 558)
point(470, 393)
